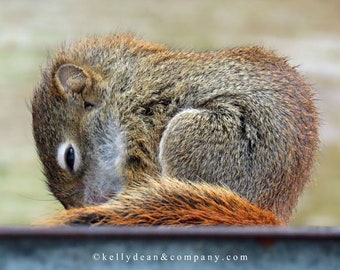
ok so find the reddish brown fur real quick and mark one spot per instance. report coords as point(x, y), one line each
point(171, 202)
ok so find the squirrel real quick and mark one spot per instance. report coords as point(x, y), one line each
point(131, 132)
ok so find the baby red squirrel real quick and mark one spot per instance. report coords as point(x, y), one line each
point(130, 132)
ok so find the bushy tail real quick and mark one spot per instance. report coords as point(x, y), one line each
point(171, 202)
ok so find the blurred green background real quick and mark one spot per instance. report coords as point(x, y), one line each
point(308, 32)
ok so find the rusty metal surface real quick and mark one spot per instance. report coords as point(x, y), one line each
point(190, 248)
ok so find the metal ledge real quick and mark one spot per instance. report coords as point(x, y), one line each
point(75, 232)
point(170, 248)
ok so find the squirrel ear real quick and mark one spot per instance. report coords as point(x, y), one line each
point(71, 78)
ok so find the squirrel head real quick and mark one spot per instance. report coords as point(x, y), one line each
point(80, 144)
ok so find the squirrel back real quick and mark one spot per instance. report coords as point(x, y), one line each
point(110, 110)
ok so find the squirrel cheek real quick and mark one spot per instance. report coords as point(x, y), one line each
point(68, 157)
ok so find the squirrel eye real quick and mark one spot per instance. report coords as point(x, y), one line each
point(70, 158)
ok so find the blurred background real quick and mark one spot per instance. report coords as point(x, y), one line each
point(306, 31)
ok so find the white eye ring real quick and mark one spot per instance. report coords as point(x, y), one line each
point(69, 157)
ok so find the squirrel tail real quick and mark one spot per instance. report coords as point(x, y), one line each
point(169, 201)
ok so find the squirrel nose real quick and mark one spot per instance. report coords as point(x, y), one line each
point(101, 199)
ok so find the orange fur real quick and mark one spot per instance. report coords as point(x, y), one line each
point(171, 202)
